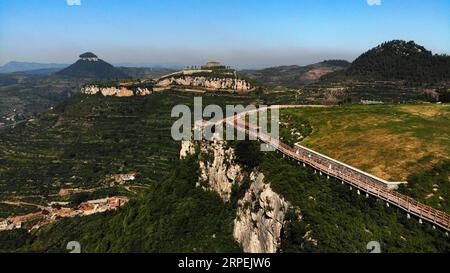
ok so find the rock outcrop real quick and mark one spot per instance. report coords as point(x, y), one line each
point(218, 171)
point(115, 91)
point(260, 214)
point(226, 83)
point(260, 217)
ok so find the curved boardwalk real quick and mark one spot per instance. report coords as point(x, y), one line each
point(347, 174)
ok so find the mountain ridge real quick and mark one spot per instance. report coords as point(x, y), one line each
point(17, 66)
point(295, 75)
point(400, 60)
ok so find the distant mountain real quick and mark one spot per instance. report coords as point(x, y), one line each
point(42, 71)
point(90, 66)
point(294, 75)
point(400, 60)
point(28, 66)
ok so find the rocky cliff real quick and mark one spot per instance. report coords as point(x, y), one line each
point(218, 171)
point(260, 214)
point(226, 83)
point(115, 91)
point(260, 217)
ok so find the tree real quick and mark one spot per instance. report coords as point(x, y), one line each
point(248, 153)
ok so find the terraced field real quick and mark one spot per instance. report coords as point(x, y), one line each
point(80, 144)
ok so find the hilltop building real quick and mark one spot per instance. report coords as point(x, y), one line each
point(213, 65)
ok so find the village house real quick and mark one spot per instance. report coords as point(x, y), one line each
point(121, 178)
point(102, 205)
point(50, 214)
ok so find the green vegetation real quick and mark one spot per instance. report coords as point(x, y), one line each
point(14, 239)
point(294, 76)
point(431, 187)
point(400, 60)
point(172, 216)
point(7, 210)
point(78, 198)
point(337, 219)
point(94, 70)
point(293, 129)
point(82, 142)
point(247, 153)
point(395, 71)
point(23, 96)
point(340, 220)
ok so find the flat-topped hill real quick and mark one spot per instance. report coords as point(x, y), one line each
point(208, 79)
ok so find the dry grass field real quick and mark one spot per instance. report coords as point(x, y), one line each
point(389, 141)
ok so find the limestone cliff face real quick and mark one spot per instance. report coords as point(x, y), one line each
point(260, 214)
point(187, 148)
point(260, 217)
point(115, 91)
point(218, 171)
point(207, 83)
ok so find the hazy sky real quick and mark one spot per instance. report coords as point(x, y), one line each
point(240, 33)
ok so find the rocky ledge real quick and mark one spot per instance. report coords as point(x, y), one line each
point(115, 91)
point(213, 84)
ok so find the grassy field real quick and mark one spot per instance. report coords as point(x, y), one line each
point(389, 141)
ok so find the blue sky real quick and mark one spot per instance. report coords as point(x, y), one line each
point(241, 33)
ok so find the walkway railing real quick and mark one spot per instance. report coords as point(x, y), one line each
point(347, 174)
